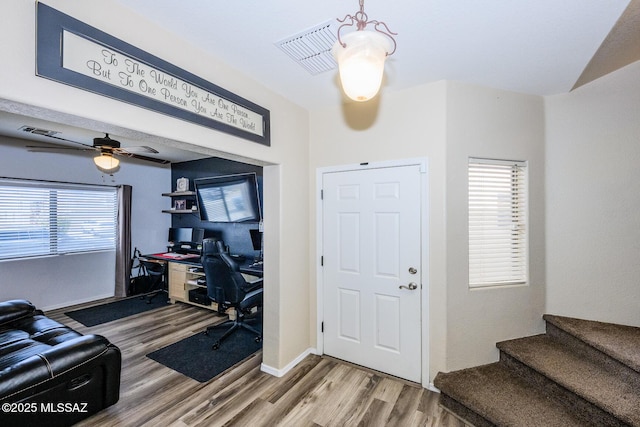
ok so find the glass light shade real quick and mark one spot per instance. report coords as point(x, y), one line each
point(361, 63)
point(106, 162)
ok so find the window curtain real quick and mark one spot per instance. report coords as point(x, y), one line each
point(123, 244)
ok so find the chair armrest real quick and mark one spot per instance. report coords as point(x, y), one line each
point(256, 284)
point(15, 309)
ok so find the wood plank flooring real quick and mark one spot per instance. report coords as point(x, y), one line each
point(320, 391)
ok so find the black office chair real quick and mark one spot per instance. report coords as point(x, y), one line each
point(228, 288)
point(157, 279)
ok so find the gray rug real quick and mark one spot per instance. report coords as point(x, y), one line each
point(194, 357)
point(104, 313)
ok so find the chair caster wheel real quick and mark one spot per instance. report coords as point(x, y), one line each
point(258, 339)
point(215, 346)
point(206, 333)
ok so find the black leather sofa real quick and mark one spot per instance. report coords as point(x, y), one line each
point(51, 375)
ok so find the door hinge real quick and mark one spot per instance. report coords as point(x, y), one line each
point(321, 194)
point(321, 261)
point(322, 327)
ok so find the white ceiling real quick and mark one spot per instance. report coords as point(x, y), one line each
point(537, 47)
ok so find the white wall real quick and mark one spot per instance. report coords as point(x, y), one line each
point(51, 282)
point(593, 200)
point(495, 124)
point(286, 217)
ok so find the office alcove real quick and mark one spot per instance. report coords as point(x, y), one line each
point(237, 235)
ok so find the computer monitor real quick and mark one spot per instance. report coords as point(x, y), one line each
point(186, 235)
point(256, 239)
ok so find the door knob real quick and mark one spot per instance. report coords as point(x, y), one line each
point(412, 286)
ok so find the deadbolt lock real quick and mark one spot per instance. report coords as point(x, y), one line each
point(412, 270)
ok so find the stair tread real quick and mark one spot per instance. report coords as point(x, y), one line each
point(620, 342)
point(615, 391)
point(485, 390)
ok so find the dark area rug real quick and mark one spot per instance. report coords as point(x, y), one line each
point(104, 313)
point(194, 357)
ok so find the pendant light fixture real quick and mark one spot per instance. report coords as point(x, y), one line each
point(361, 54)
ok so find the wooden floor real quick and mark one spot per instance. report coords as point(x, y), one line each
point(319, 391)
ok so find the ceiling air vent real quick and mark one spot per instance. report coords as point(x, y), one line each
point(37, 131)
point(312, 48)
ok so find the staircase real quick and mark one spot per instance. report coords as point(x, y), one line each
point(579, 373)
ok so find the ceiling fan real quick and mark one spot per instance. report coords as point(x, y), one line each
point(108, 148)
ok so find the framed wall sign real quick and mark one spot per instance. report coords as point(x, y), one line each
point(74, 53)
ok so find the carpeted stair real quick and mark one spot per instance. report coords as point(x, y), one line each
point(579, 373)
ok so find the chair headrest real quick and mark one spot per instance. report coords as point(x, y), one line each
point(222, 248)
point(211, 246)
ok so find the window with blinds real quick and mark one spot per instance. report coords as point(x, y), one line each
point(497, 223)
point(40, 219)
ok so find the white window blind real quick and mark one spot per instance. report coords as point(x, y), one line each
point(497, 223)
point(38, 219)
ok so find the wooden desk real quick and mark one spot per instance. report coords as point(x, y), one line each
point(183, 275)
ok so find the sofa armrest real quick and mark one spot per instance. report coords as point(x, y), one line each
point(15, 309)
point(51, 363)
point(74, 352)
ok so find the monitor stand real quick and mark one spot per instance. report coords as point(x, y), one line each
point(185, 248)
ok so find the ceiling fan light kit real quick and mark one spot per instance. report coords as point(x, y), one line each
point(361, 55)
point(106, 162)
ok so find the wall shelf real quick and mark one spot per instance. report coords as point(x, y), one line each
point(186, 194)
point(180, 194)
point(179, 211)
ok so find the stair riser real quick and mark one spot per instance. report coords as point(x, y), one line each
point(591, 414)
point(463, 412)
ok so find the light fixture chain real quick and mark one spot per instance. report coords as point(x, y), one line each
point(360, 19)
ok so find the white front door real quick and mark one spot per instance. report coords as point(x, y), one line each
point(371, 243)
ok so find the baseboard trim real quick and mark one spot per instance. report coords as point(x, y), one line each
point(76, 302)
point(281, 372)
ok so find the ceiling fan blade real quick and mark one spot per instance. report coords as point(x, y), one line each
point(89, 147)
point(40, 149)
point(138, 149)
point(137, 156)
